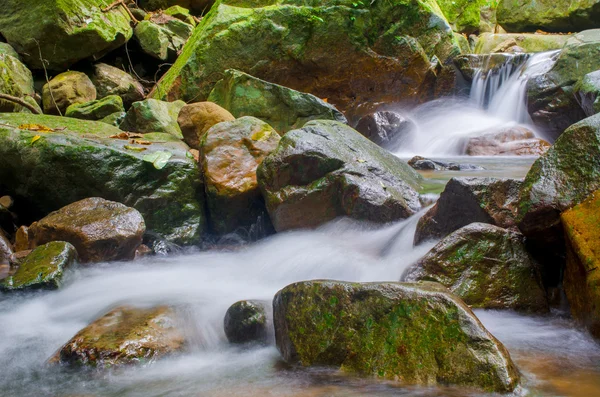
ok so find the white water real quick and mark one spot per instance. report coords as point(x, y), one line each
point(497, 101)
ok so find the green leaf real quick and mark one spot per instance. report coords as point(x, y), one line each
point(158, 159)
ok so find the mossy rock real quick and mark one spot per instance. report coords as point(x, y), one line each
point(15, 80)
point(530, 42)
point(327, 170)
point(487, 266)
point(151, 115)
point(413, 333)
point(281, 107)
point(62, 32)
point(163, 41)
point(388, 44)
point(183, 14)
point(463, 15)
point(113, 81)
point(43, 268)
point(197, 6)
point(582, 273)
point(588, 91)
point(80, 160)
point(248, 322)
point(96, 110)
point(67, 89)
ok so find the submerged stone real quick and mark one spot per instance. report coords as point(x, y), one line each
point(247, 321)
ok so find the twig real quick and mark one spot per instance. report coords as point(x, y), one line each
point(124, 4)
point(46, 74)
point(19, 101)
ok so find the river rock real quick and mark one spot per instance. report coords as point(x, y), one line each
point(15, 80)
point(197, 118)
point(387, 129)
point(124, 336)
point(511, 141)
point(415, 333)
point(327, 170)
point(530, 42)
point(113, 81)
point(582, 274)
point(467, 200)
point(66, 89)
point(162, 37)
point(42, 268)
point(422, 164)
point(62, 32)
point(552, 103)
point(151, 115)
point(282, 108)
point(96, 110)
point(247, 321)
point(587, 91)
point(230, 154)
point(549, 16)
point(100, 230)
point(487, 266)
point(80, 160)
point(309, 47)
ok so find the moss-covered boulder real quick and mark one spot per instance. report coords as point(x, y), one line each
point(162, 37)
point(197, 6)
point(463, 15)
point(62, 32)
point(488, 43)
point(282, 108)
point(588, 91)
point(248, 322)
point(551, 100)
point(487, 266)
point(582, 273)
point(66, 89)
point(327, 170)
point(197, 118)
point(43, 268)
point(15, 80)
point(468, 200)
point(96, 110)
point(99, 229)
point(346, 51)
point(230, 154)
point(124, 336)
point(151, 115)
point(548, 15)
point(183, 14)
point(415, 333)
point(387, 129)
point(79, 160)
point(113, 81)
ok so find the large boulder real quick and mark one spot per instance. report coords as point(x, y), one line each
point(15, 80)
point(43, 268)
point(66, 89)
point(125, 335)
point(96, 110)
point(488, 43)
point(247, 322)
point(487, 266)
point(57, 33)
point(197, 118)
point(468, 200)
point(463, 15)
point(230, 154)
point(582, 273)
point(79, 159)
point(551, 100)
point(549, 16)
point(113, 81)
point(283, 108)
point(151, 115)
point(346, 51)
point(327, 170)
point(415, 333)
point(99, 229)
point(162, 37)
point(387, 129)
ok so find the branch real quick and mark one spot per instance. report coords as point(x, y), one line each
point(19, 101)
point(121, 3)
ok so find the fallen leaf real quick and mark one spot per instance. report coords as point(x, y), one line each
point(135, 148)
point(35, 127)
point(35, 139)
point(361, 161)
point(158, 159)
point(126, 135)
point(141, 142)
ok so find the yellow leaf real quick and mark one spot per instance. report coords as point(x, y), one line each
point(35, 127)
point(34, 139)
point(134, 148)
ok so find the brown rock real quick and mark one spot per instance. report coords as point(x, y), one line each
point(22, 240)
point(66, 89)
point(100, 230)
point(197, 118)
point(517, 141)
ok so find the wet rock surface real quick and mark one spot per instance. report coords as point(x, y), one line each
point(511, 141)
point(422, 164)
point(248, 322)
point(388, 129)
point(196, 119)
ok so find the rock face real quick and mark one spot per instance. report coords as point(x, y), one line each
point(80, 160)
point(551, 100)
point(587, 91)
point(100, 230)
point(387, 129)
point(230, 154)
point(162, 37)
point(487, 266)
point(197, 118)
point(81, 27)
point(467, 200)
point(513, 141)
point(43, 268)
point(15, 80)
point(65, 90)
point(125, 335)
point(113, 81)
point(309, 47)
point(282, 108)
point(96, 110)
point(151, 115)
point(327, 170)
point(581, 224)
point(489, 42)
point(416, 333)
point(247, 321)
point(549, 16)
